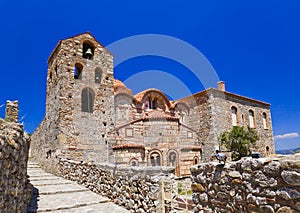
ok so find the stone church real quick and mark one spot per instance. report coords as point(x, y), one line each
point(91, 116)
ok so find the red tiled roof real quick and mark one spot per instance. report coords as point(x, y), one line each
point(120, 87)
point(129, 145)
point(193, 148)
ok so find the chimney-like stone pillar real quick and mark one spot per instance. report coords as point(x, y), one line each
point(12, 111)
point(221, 86)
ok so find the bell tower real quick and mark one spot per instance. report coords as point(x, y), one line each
point(80, 99)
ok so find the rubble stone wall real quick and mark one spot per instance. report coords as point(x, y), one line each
point(12, 111)
point(15, 190)
point(136, 188)
point(250, 185)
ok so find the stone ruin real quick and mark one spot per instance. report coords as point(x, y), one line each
point(15, 189)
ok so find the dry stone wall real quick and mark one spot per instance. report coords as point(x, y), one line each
point(15, 190)
point(265, 185)
point(136, 188)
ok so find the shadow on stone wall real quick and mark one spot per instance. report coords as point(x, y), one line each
point(33, 206)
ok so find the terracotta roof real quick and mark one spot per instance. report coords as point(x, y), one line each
point(193, 148)
point(128, 146)
point(139, 96)
point(213, 90)
point(120, 87)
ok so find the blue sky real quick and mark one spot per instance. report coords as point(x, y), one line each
point(252, 45)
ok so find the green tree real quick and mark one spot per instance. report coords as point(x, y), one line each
point(239, 141)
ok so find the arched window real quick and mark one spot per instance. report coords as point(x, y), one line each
point(172, 158)
point(234, 116)
point(98, 75)
point(152, 103)
point(268, 150)
point(87, 100)
point(196, 160)
point(265, 121)
point(78, 71)
point(88, 50)
point(251, 119)
point(133, 162)
point(155, 159)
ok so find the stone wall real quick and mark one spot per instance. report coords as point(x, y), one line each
point(12, 111)
point(263, 185)
point(136, 188)
point(15, 190)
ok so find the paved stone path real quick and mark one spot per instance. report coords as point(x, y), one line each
point(57, 195)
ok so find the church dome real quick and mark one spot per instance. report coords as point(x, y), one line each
point(120, 87)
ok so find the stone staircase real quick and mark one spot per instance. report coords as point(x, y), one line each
point(55, 194)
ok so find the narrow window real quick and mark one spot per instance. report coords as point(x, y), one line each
point(268, 150)
point(78, 71)
point(196, 160)
point(133, 162)
point(158, 160)
point(98, 75)
point(172, 159)
point(265, 121)
point(152, 103)
point(251, 119)
point(87, 100)
point(234, 116)
point(182, 115)
point(87, 50)
point(152, 161)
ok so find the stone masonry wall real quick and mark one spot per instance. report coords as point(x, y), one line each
point(66, 129)
point(15, 190)
point(12, 111)
point(221, 120)
point(136, 188)
point(263, 185)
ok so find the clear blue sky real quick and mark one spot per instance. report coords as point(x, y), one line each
point(253, 46)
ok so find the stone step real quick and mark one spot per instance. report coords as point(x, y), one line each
point(107, 207)
point(36, 175)
point(40, 178)
point(62, 201)
point(56, 194)
point(59, 189)
point(55, 181)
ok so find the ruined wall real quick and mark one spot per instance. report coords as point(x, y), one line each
point(136, 188)
point(15, 190)
point(263, 185)
point(12, 111)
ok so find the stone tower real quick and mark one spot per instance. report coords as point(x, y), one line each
point(79, 101)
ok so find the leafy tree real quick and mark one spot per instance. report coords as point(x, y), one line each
point(239, 141)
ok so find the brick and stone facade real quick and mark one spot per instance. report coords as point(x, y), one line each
point(91, 116)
